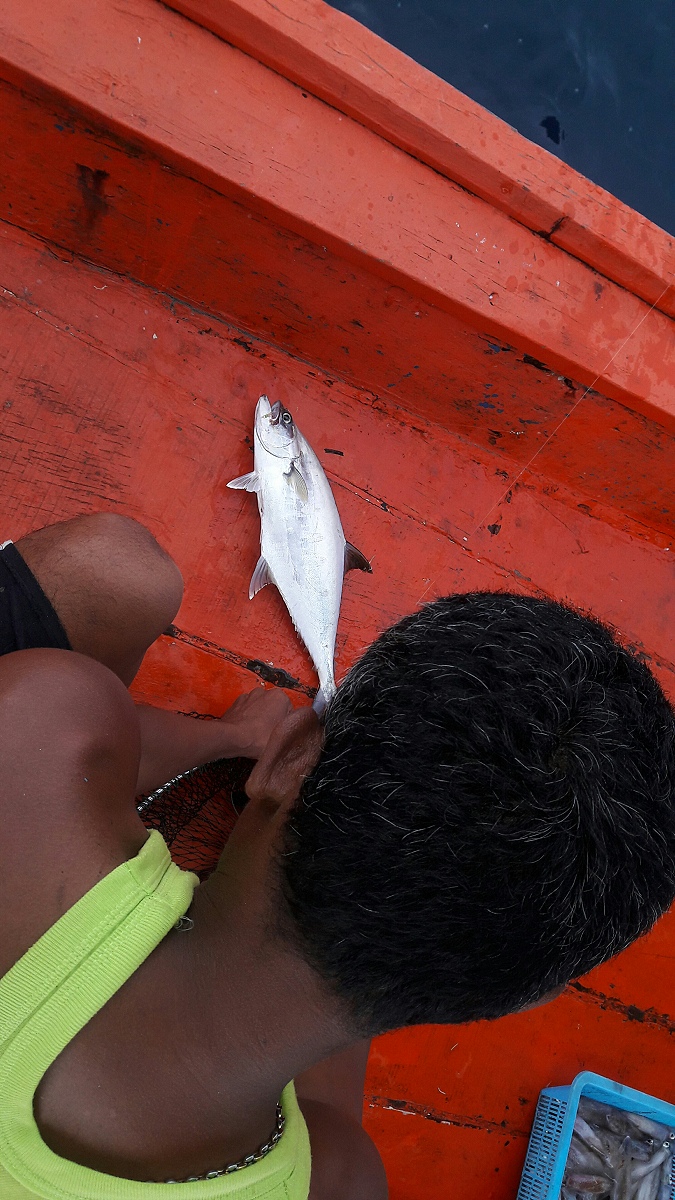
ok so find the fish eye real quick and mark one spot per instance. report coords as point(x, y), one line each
point(286, 418)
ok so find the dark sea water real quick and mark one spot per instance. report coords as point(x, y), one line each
point(591, 80)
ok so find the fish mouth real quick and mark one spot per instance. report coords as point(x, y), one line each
point(263, 415)
point(268, 415)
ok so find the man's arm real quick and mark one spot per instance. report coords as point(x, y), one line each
point(172, 743)
point(346, 1164)
point(114, 591)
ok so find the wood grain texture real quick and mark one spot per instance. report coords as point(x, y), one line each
point(161, 226)
point(168, 129)
point(358, 73)
point(114, 395)
point(183, 229)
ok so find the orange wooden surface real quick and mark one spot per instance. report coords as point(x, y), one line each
point(216, 116)
point(384, 339)
point(355, 71)
point(96, 412)
point(182, 228)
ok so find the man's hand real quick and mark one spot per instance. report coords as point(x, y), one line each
point(172, 743)
point(290, 756)
point(253, 717)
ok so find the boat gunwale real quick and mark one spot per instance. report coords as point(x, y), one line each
point(156, 100)
point(354, 70)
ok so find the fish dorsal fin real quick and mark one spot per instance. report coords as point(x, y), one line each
point(295, 480)
point(246, 483)
point(260, 578)
point(355, 560)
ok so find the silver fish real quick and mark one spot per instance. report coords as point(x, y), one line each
point(302, 547)
point(618, 1155)
point(588, 1185)
point(665, 1186)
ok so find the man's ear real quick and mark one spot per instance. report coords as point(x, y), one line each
point(288, 758)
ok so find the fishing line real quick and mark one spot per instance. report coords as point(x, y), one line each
point(567, 416)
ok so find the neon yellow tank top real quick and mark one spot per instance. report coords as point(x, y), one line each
point(51, 993)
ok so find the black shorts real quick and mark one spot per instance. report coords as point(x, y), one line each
point(27, 619)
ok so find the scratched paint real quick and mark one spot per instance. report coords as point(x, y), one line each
point(129, 366)
point(96, 413)
point(363, 76)
point(436, 252)
point(611, 454)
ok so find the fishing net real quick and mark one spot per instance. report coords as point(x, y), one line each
point(197, 811)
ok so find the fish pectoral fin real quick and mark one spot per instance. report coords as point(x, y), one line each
point(246, 483)
point(355, 560)
point(260, 578)
point(295, 480)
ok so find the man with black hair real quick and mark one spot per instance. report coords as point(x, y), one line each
point(487, 814)
point(501, 762)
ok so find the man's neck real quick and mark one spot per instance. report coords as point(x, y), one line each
point(269, 1013)
point(181, 1072)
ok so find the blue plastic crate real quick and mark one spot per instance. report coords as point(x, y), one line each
point(554, 1122)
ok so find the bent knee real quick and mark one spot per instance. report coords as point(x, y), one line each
point(120, 533)
point(63, 703)
point(140, 586)
point(121, 544)
point(69, 752)
point(113, 586)
point(109, 543)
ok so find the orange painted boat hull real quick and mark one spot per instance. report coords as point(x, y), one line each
point(203, 204)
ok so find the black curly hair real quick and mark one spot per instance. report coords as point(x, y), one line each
point(493, 813)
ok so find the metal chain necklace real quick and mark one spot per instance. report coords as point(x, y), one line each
point(248, 1161)
point(184, 924)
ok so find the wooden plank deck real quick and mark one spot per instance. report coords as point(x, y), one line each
point(165, 257)
point(114, 396)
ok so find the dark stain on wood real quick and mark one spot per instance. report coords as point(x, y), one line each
point(90, 182)
point(275, 675)
point(630, 1012)
point(445, 1118)
point(263, 670)
point(535, 362)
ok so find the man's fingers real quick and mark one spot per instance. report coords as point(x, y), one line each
point(270, 704)
point(290, 755)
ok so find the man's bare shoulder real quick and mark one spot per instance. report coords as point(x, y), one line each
point(346, 1164)
point(69, 748)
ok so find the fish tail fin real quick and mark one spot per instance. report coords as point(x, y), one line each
point(323, 697)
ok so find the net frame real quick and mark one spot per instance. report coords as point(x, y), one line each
point(196, 811)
